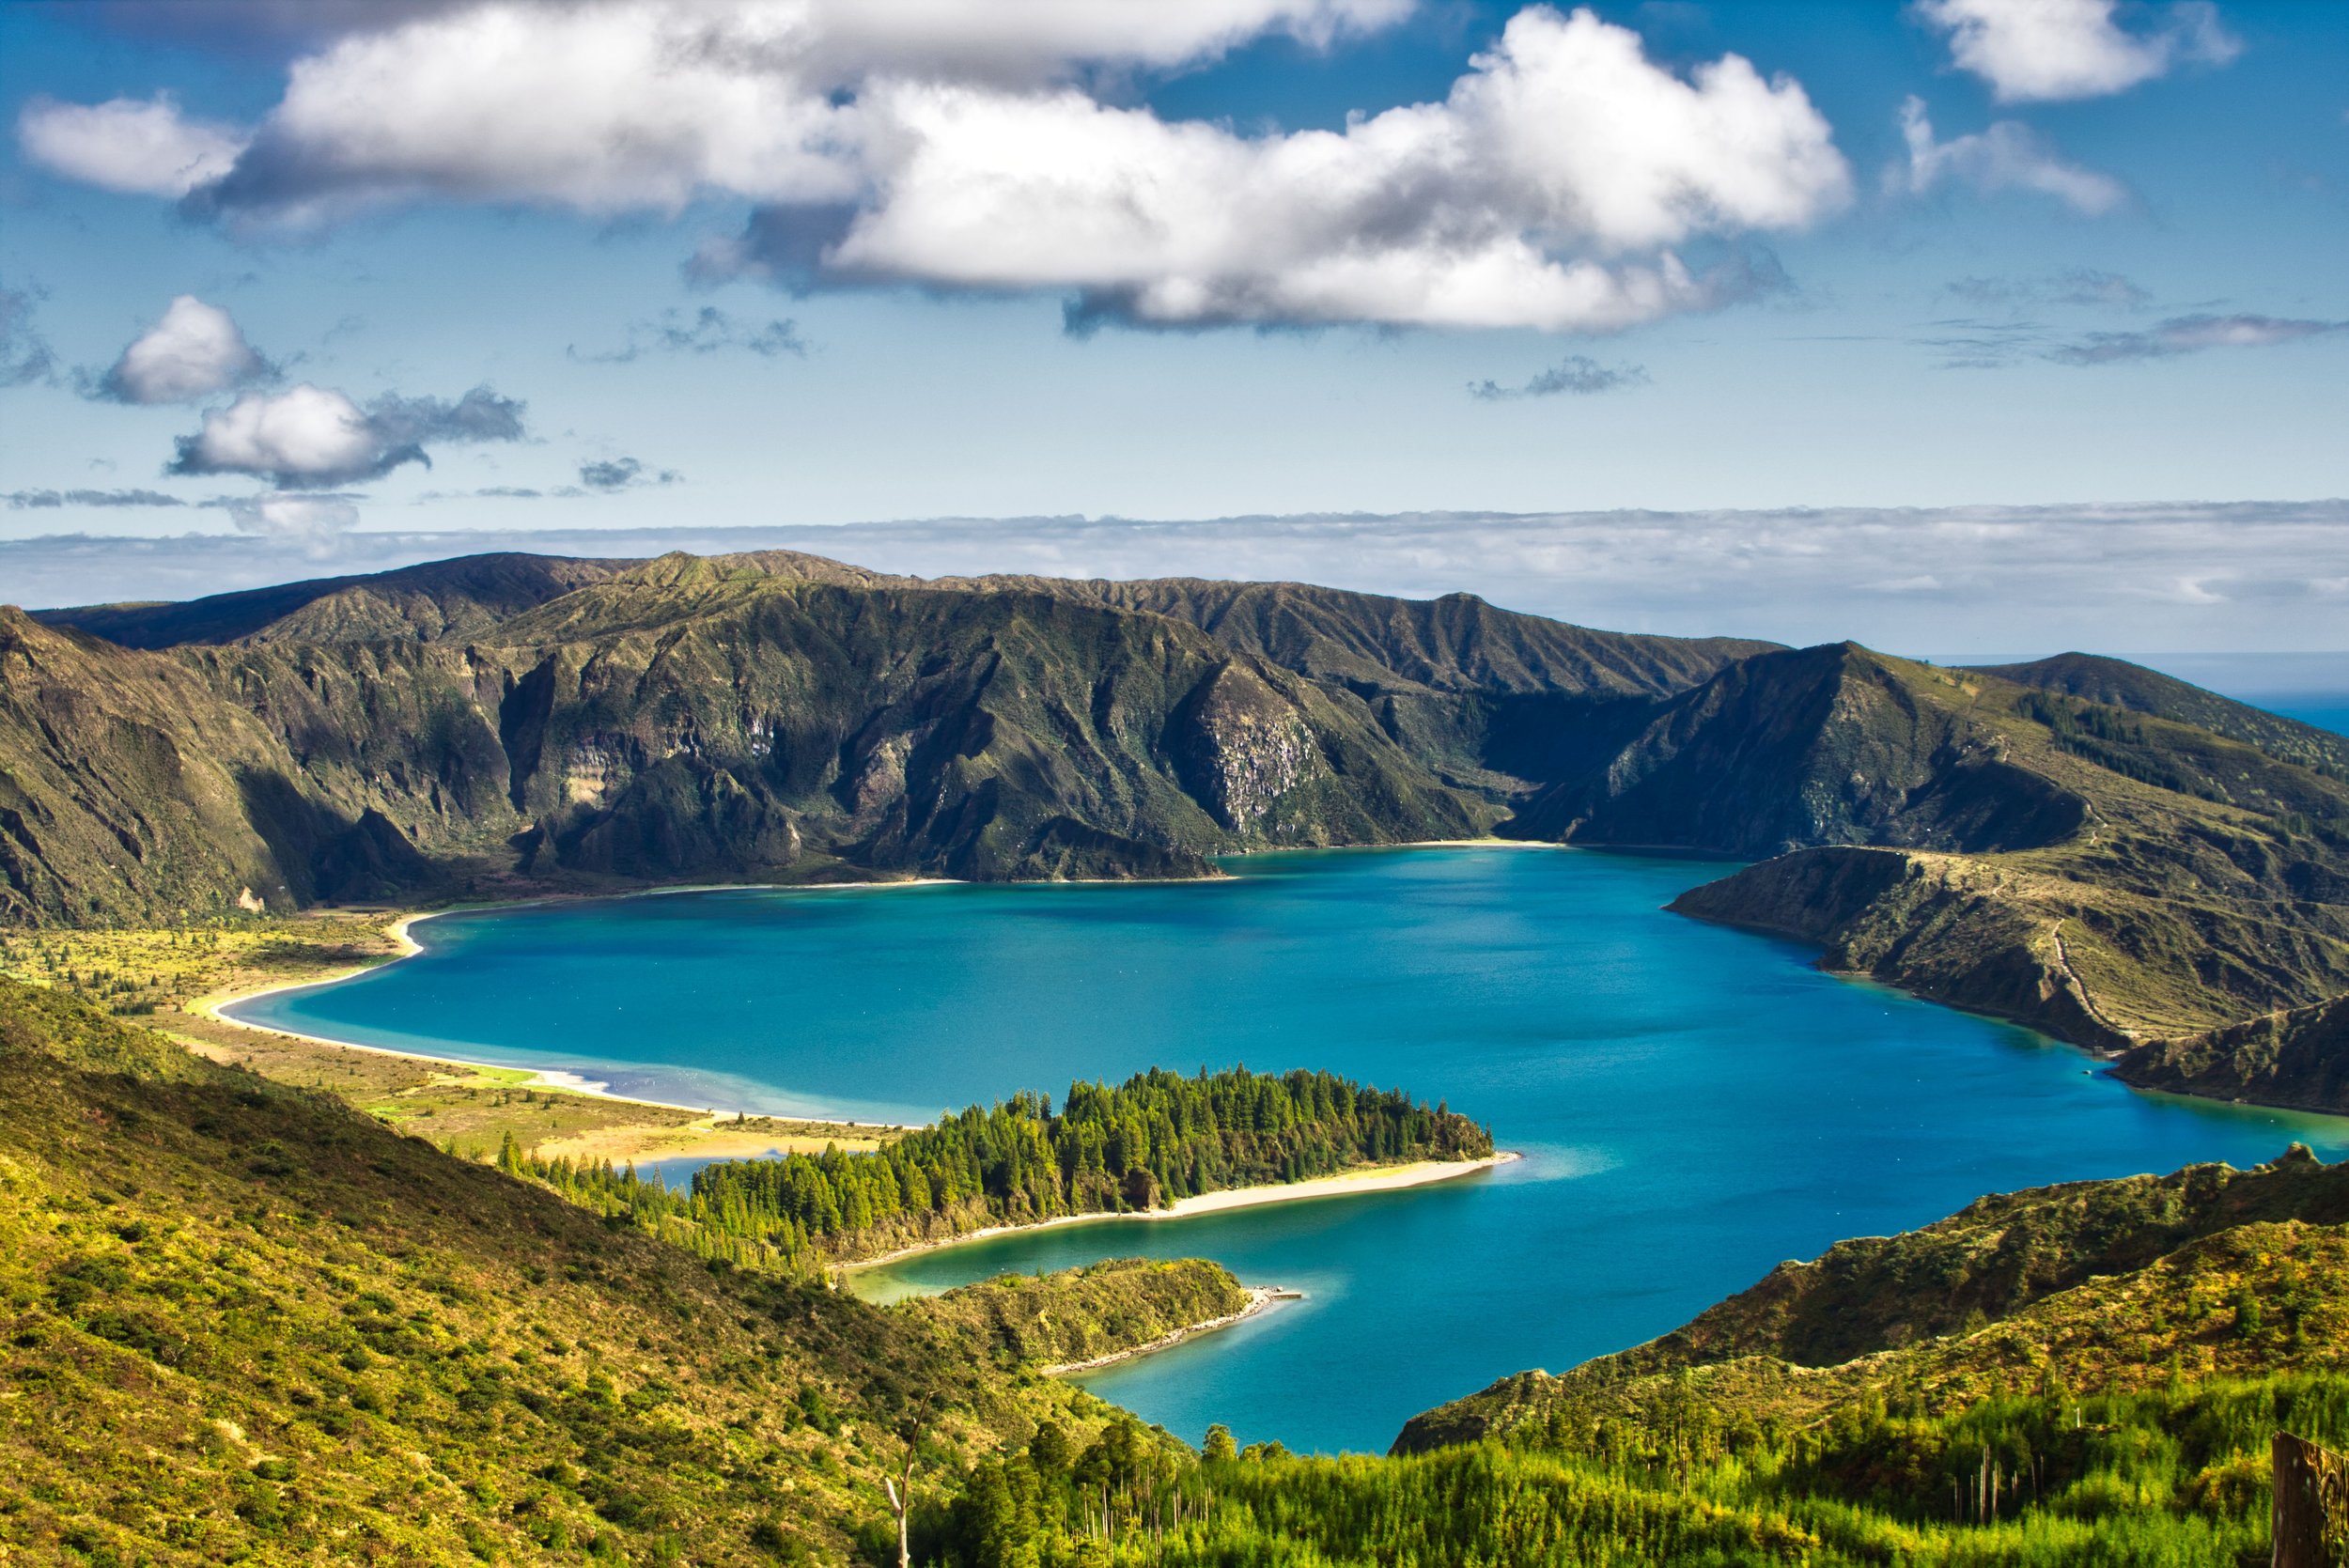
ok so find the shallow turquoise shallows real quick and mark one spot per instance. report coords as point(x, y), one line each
point(1694, 1103)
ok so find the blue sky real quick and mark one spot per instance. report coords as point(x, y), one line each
point(849, 264)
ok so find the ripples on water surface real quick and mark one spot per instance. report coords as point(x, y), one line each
point(1695, 1104)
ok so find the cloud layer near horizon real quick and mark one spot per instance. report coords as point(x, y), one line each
point(2255, 576)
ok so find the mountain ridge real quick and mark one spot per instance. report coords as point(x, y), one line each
point(2120, 873)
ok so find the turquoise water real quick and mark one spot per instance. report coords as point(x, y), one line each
point(1694, 1103)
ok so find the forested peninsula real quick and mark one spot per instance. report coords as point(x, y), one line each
point(1156, 1138)
point(2117, 858)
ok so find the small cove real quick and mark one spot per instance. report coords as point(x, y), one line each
point(1694, 1103)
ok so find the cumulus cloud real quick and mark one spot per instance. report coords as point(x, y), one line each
point(954, 144)
point(708, 331)
point(2009, 156)
point(2038, 51)
point(193, 350)
point(647, 103)
point(619, 473)
point(1578, 374)
point(308, 436)
point(2192, 335)
point(1522, 199)
point(39, 499)
point(138, 147)
point(25, 356)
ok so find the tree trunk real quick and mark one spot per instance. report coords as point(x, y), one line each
point(901, 1504)
point(2310, 1522)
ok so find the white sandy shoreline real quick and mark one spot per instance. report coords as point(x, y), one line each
point(561, 1081)
point(1348, 1184)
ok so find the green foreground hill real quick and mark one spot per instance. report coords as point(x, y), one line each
point(244, 1322)
point(2115, 857)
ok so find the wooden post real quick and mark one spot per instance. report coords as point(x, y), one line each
point(2311, 1521)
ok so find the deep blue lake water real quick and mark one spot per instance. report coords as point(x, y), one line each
point(1694, 1103)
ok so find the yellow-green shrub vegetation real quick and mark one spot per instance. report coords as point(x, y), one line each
point(1081, 1314)
point(239, 1321)
point(1156, 1138)
point(143, 970)
point(2101, 1284)
point(2171, 1477)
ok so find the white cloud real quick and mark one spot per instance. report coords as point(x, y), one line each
point(193, 350)
point(2192, 335)
point(952, 143)
point(310, 436)
point(144, 147)
point(647, 103)
point(1539, 193)
point(2009, 156)
point(304, 434)
point(312, 520)
point(2038, 51)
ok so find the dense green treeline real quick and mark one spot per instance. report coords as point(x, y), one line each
point(2169, 1478)
point(1156, 1138)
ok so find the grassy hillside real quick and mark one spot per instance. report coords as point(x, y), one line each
point(2117, 683)
point(2098, 1283)
point(243, 1320)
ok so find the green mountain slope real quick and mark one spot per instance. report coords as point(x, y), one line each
point(2163, 874)
point(2117, 683)
point(245, 1321)
point(504, 722)
point(2116, 878)
point(2111, 1285)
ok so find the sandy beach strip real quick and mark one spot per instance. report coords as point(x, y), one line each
point(553, 1079)
point(1347, 1184)
point(1260, 1298)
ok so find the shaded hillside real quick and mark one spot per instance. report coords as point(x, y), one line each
point(2091, 1284)
point(128, 786)
point(681, 719)
point(245, 1319)
point(1826, 745)
point(2117, 683)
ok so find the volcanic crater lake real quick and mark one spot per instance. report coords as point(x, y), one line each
point(1693, 1104)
